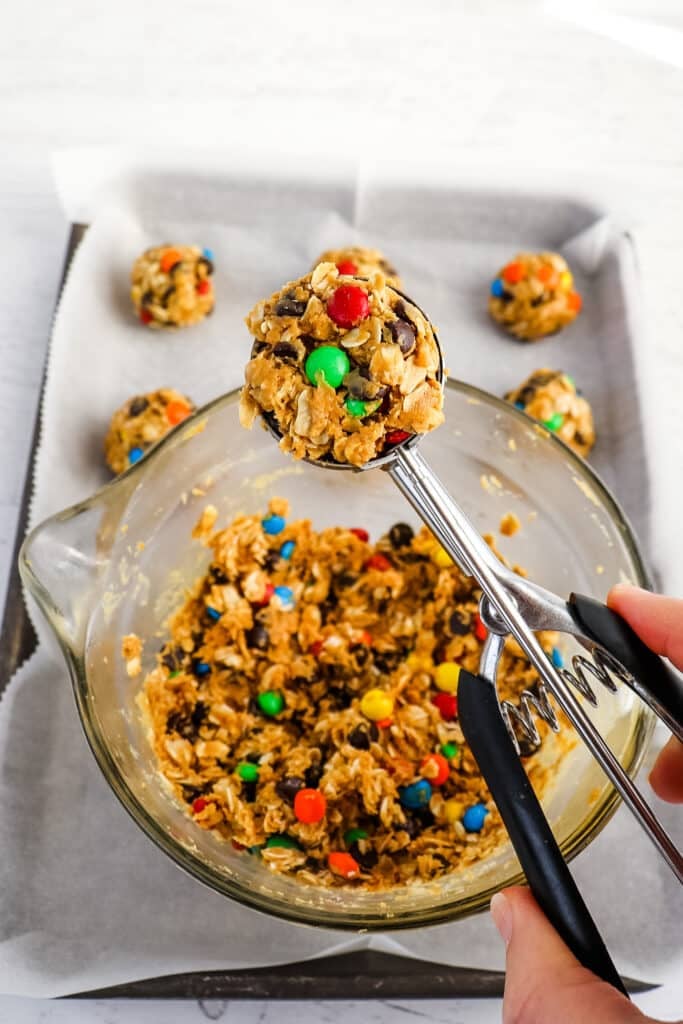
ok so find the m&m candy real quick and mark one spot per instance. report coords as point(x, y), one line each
point(309, 806)
point(446, 676)
point(327, 364)
point(273, 525)
point(377, 704)
point(285, 596)
point(343, 864)
point(287, 549)
point(348, 305)
point(435, 769)
point(473, 818)
point(271, 703)
point(415, 796)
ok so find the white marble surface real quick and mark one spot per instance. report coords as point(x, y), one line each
point(507, 84)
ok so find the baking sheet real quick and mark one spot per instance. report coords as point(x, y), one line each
point(143, 917)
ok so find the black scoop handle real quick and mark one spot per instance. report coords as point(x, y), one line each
point(658, 685)
point(544, 866)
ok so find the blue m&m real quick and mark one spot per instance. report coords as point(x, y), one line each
point(134, 455)
point(287, 549)
point(213, 613)
point(207, 254)
point(415, 796)
point(285, 595)
point(556, 658)
point(273, 525)
point(497, 288)
point(473, 818)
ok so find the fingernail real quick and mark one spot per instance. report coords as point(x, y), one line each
point(502, 917)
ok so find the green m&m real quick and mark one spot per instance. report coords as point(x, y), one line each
point(271, 703)
point(284, 842)
point(353, 835)
point(555, 421)
point(357, 408)
point(327, 364)
point(248, 772)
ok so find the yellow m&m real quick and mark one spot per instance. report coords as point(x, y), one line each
point(377, 704)
point(446, 676)
point(453, 811)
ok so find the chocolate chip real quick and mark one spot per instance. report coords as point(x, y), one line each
point(359, 385)
point(167, 295)
point(253, 758)
point(359, 738)
point(388, 269)
point(285, 350)
point(403, 333)
point(537, 301)
point(207, 264)
point(257, 637)
point(249, 791)
point(147, 298)
point(137, 406)
point(217, 575)
point(313, 776)
point(527, 394)
point(191, 793)
point(313, 865)
point(175, 267)
point(345, 579)
point(458, 625)
point(199, 713)
point(290, 307)
point(526, 747)
point(181, 723)
point(289, 786)
point(272, 559)
point(387, 661)
point(412, 827)
point(579, 438)
point(400, 535)
point(400, 311)
point(308, 342)
point(506, 297)
point(367, 860)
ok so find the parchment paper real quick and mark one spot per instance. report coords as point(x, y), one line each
point(85, 899)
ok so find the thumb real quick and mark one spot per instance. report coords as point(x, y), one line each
point(544, 982)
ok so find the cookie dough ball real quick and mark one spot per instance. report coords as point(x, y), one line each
point(171, 285)
point(357, 261)
point(140, 423)
point(344, 369)
point(534, 296)
point(551, 397)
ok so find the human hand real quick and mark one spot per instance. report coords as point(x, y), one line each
point(544, 982)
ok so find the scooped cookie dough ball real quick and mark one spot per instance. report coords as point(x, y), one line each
point(140, 423)
point(171, 286)
point(534, 296)
point(357, 261)
point(551, 397)
point(343, 369)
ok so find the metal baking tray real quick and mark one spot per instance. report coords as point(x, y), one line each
point(366, 974)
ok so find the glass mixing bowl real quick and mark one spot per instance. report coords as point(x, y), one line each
point(118, 564)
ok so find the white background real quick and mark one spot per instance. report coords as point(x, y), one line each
point(596, 88)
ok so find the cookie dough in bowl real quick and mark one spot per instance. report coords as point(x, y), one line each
point(551, 397)
point(305, 707)
point(533, 296)
point(140, 423)
point(171, 285)
point(360, 262)
point(343, 368)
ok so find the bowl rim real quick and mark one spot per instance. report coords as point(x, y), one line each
point(278, 907)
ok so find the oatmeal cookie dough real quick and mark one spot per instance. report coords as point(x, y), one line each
point(140, 423)
point(344, 369)
point(551, 397)
point(534, 296)
point(305, 705)
point(171, 286)
point(360, 262)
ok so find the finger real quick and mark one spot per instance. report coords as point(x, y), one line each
point(666, 777)
point(544, 982)
point(657, 620)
